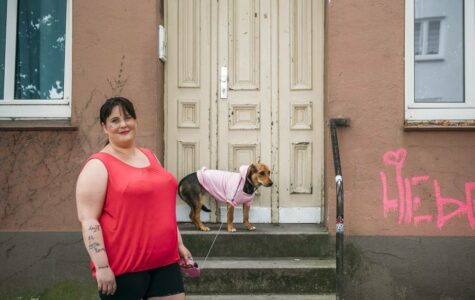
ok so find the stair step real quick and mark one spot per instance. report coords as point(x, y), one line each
point(268, 240)
point(263, 276)
point(262, 297)
point(264, 263)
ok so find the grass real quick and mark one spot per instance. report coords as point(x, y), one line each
point(64, 291)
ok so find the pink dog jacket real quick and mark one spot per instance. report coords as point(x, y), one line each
point(226, 187)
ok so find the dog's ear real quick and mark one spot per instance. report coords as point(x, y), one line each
point(251, 170)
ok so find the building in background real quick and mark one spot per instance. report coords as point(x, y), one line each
point(401, 71)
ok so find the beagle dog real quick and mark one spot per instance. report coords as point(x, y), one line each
point(231, 188)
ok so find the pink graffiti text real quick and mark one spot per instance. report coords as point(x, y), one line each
point(407, 204)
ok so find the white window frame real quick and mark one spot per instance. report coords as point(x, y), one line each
point(11, 109)
point(441, 111)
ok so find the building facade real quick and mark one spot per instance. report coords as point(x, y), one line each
point(401, 71)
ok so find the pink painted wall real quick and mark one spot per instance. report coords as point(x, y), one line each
point(110, 36)
point(429, 176)
point(39, 168)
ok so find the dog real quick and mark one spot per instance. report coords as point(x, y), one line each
point(230, 188)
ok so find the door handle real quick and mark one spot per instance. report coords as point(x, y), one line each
point(224, 82)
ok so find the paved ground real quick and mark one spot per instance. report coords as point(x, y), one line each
point(261, 297)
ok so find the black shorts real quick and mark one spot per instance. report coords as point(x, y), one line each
point(159, 282)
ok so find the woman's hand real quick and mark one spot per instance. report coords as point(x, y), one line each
point(184, 252)
point(105, 280)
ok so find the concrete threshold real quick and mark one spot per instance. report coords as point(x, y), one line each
point(265, 263)
point(279, 229)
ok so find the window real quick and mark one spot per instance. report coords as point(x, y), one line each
point(439, 62)
point(35, 59)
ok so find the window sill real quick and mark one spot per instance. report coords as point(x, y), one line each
point(37, 125)
point(440, 125)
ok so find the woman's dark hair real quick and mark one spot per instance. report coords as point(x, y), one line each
point(124, 103)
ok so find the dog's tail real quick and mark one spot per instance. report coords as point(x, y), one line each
point(203, 207)
point(179, 189)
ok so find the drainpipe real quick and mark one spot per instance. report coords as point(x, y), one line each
point(340, 228)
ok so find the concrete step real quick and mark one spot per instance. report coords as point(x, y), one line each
point(263, 276)
point(262, 297)
point(268, 240)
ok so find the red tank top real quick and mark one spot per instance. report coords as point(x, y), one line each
point(138, 219)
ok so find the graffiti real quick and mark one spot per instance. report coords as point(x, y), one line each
point(407, 203)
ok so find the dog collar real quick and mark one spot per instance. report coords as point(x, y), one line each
point(250, 182)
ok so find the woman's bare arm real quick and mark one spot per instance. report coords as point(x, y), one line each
point(90, 195)
point(184, 252)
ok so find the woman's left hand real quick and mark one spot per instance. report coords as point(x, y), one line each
point(184, 252)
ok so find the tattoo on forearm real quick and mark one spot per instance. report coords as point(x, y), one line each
point(103, 267)
point(94, 228)
point(96, 247)
point(92, 244)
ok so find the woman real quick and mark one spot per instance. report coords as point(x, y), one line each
point(126, 205)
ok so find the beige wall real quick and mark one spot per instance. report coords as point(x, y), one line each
point(39, 168)
point(365, 82)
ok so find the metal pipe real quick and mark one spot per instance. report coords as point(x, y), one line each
point(340, 228)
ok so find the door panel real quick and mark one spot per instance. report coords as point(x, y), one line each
point(244, 122)
point(188, 91)
point(242, 38)
point(300, 110)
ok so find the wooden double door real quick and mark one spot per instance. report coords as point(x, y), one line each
point(244, 83)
